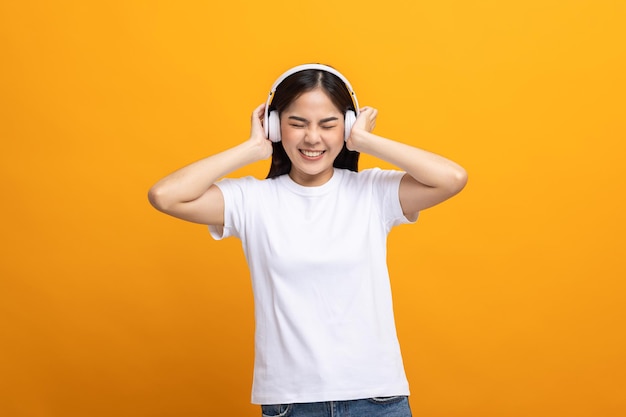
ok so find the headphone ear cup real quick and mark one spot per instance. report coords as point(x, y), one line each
point(350, 118)
point(273, 126)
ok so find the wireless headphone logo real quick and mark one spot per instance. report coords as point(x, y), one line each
point(272, 120)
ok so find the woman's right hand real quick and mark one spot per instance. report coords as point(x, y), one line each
point(257, 133)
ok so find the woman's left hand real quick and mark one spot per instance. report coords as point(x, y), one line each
point(365, 122)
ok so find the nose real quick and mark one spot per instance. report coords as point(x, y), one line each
point(312, 135)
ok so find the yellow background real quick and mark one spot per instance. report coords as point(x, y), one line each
point(510, 298)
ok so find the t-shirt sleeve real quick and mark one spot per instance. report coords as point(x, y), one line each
point(234, 192)
point(386, 189)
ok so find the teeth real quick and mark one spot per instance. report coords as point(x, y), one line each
point(312, 154)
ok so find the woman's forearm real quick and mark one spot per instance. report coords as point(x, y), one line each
point(425, 167)
point(192, 181)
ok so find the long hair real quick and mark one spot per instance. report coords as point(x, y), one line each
point(289, 90)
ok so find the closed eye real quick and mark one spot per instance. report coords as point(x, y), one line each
point(300, 122)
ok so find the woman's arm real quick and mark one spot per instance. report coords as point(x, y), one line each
point(431, 178)
point(190, 194)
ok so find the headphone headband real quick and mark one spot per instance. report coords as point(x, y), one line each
point(319, 67)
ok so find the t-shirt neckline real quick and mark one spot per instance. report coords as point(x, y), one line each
point(328, 186)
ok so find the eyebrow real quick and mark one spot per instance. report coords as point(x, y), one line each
point(303, 120)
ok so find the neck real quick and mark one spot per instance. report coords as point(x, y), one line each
point(311, 180)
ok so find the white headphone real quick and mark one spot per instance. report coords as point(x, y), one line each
point(272, 120)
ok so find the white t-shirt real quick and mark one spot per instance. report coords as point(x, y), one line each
point(324, 319)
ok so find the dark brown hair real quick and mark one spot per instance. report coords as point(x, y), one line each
point(289, 90)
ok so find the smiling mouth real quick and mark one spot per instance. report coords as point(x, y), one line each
point(311, 154)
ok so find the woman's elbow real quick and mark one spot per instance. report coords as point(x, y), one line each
point(457, 180)
point(158, 198)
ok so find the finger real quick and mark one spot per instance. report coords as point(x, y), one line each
point(364, 114)
point(258, 114)
point(372, 111)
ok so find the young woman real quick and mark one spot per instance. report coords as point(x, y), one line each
point(314, 235)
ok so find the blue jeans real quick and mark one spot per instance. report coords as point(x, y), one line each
point(371, 407)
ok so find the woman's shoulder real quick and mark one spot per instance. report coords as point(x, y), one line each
point(246, 180)
point(248, 184)
point(374, 174)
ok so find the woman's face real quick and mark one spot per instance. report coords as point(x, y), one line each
point(312, 132)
